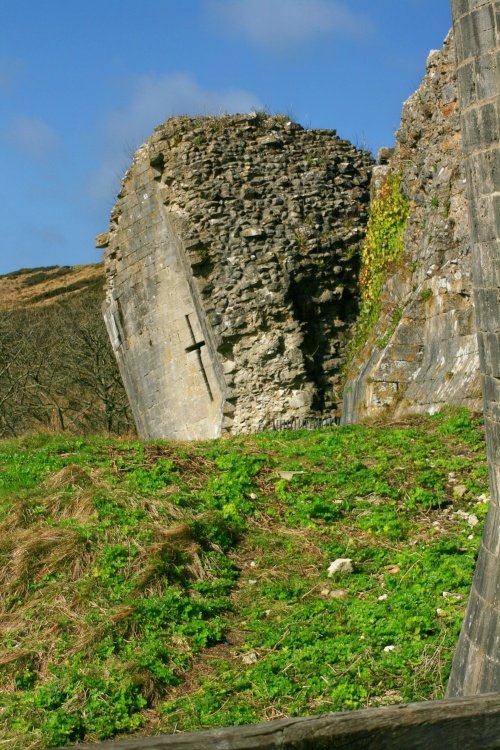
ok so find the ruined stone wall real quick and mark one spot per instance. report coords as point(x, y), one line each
point(423, 352)
point(476, 666)
point(232, 263)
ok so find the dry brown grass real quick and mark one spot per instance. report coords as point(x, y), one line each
point(65, 495)
point(18, 290)
point(72, 475)
point(37, 545)
point(42, 551)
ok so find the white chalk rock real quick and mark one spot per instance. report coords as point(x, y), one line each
point(250, 658)
point(339, 594)
point(340, 565)
point(458, 597)
point(289, 474)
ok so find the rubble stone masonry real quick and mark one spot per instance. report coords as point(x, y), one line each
point(423, 352)
point(232, 263)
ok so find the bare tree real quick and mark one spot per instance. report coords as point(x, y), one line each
point(57, 370)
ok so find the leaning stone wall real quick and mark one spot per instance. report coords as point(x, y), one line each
point(232, 263)
point(423, 352)
point(476, 666)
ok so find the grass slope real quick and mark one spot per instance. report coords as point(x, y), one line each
point(152, 587)
point(30, 287)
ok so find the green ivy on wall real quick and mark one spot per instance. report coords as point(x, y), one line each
point(383, 246)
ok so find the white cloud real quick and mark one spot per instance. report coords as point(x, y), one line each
point(281, 25)
point(154, 99)
point(32, 137)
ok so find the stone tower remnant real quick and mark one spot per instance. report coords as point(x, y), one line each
point(423, 354)
point(232, 261)
point(476, 23)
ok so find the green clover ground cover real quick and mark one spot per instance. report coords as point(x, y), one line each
point(153, 587)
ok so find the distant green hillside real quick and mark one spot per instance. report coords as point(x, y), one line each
point(152, 587)
point(57, 369)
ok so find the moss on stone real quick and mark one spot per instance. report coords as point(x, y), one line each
point(383, 246)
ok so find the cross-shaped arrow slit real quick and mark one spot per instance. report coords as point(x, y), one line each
point(196, 347)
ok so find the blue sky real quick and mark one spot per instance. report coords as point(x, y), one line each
point(82, 84)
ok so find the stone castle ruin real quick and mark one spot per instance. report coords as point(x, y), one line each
point(232, 263)
point(232, 267)
point(423, 353)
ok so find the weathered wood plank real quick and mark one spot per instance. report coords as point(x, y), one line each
point(464, 723)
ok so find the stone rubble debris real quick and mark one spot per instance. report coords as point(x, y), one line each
point(451, 595)
point(340, 565)
point(289, 474)
point(250, 658)
point(484, 498)
point(471, 518)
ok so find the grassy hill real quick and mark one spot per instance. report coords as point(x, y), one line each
point(35, 287)
point(153, 587)
point(57, 370)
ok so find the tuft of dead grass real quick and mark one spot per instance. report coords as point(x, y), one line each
point(72, 475)
point(174, 544)
point(77, 507)
point(33, 554)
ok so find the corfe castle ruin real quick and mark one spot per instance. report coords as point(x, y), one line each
point(233, 263)
point(232, 267)
point(429, 355)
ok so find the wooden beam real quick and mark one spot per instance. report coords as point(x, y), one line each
point(463, 723)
